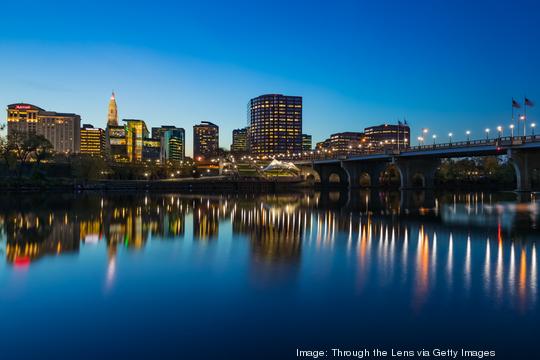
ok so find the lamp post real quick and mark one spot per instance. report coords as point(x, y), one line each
point(420, 140)
point(450, 137)
point(468, 133)
point(487, 133)
point(434, 138)
point(500, 130)
point(512, 130)
point(533, 125)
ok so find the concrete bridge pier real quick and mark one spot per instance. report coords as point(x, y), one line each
point(422, 168)
point(332, 175)
point(356, 170)
point(523, 162)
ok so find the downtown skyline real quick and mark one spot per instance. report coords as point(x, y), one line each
point(448, 79)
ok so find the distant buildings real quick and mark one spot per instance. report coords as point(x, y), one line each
point(61, 129)
point(389, 136)
point(343, 143)
point(92, 140)
point(275, 124)
point(307, 144)
point(205, 140)
point(240, 143)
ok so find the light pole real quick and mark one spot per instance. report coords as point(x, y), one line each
point(500, 130)
point(487, 133)
point(420, 140)
point(450, 137)
point(512, 130)
point(468, 133)
point(434, 138)
point(533, 125)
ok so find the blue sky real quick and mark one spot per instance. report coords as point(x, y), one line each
point(445, 65)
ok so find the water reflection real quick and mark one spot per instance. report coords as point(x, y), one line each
point(418, 241)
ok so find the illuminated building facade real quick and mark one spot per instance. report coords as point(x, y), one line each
point(92, 140)
point(344, 143)
point(112, 118)
point(173, 142)
point(205, 140)
point(136, 132)
point(275, 124)
point(151, 149)
point(306, 142)
point(63, 130)
point(240, 141)
point(116, 142)
point(387, 135)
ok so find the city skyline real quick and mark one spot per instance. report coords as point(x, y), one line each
point(347, 78)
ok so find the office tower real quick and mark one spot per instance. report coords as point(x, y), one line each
point(92, 140)
point(387, 135)
point(205, 140)
point(306, 142)
point(173, 142)
point(240, 144)
point(275, 124)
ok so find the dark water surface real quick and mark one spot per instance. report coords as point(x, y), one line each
point(258, 276)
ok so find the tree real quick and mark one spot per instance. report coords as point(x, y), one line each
point(42, 147)
point(88, 167)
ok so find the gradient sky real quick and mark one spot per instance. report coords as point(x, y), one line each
point(446, 65)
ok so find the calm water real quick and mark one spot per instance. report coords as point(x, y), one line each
point(198, 277)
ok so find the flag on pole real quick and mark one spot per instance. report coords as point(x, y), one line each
point(515, 104)
point(528, 102)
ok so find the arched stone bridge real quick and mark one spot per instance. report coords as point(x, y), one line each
point(421, 162)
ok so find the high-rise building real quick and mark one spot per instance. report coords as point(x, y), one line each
point(173, 144)
point(306, 142)
point(386, 135)
point(275, 124)
point(63, 130)
point(92, 140)
point(136, 131)
point(240, 143)
point(112, 119)
point(205, 140)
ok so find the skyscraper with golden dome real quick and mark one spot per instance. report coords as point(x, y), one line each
point(112, 119)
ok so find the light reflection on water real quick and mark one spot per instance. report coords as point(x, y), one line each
point(415, 250)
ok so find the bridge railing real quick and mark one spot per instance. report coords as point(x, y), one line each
point(504, 141)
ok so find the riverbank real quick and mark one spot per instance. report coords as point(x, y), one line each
point(206, 185)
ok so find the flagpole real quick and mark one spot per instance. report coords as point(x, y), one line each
point(513, 114)
point(524, 116)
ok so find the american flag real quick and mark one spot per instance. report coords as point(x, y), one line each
point(515, 104)
point(528, 102)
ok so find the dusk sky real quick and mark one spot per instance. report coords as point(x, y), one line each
point(445, 65)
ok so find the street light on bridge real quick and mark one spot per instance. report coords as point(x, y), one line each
point(420, 140)
point(533, 125)
point(487, 133)
point(434, 138)
point(512, 130)
point(468, 133)
point(450, 137)
point(500, 130)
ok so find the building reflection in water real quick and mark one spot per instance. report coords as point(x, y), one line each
point(388, 239)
